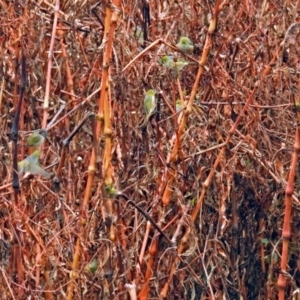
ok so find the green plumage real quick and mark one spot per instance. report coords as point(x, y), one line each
point(140, 35)
point(36, 139)
point(179, 105)
point(168, 62)
point(31, 165)
point(92, 266)
point(185, 45)
point(149, 103)
point(111, 190)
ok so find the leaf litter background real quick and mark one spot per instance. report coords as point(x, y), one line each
point(233, 249)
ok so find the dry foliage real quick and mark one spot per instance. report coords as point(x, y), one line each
point(223, 206)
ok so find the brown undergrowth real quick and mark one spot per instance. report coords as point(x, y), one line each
point(212, 177)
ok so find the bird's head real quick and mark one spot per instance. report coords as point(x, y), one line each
point(151, 92)
point(185, 41)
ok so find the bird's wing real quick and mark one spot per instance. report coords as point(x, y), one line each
point(35, 169)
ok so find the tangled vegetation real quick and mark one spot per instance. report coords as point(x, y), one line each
point(197, 200)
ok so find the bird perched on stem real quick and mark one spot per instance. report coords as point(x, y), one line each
point(178, 65)
point(36, 139)
point(111, 190)
point(139, 34)
point(179, 105)
point(92, 266)
point(185, 45)
point(31, 165)
point(149, 104)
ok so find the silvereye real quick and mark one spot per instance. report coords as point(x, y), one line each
point(185, 45)
point(168, 61)
point(140, 35)
point(149, 104)
point(31, 165)
point(179, 105)
point(111, 190)
point(92, 266)
point(36, 139)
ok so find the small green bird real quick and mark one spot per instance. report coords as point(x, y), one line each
point(31, 165)
point(167, 61)
point(111, 190)
point(178, 65)
point(36, 139)
point(92, 266)
point(179, 105)
point(149, 104)
point(140, 35)
point(185, 45)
